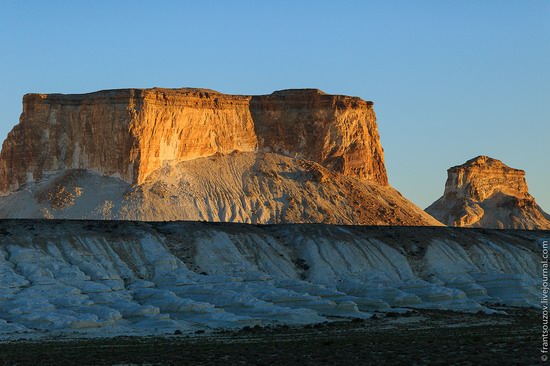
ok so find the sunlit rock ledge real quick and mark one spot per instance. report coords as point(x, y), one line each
point(104, 278)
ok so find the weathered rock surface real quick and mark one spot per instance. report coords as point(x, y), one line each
point(130, 133)
point(110, 278)
point(195, 154)
point(484, 192)
point(257, 188)
point(338, 132)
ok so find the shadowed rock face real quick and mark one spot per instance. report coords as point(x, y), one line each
point(484, 192)
point(338, 132)
point(130, 133)
point(104, 278)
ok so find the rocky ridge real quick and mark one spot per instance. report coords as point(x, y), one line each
point(107, 278)
point(484, 192)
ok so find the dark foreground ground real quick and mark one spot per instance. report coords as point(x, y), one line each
point(422, 338)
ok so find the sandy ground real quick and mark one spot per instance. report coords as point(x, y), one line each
point(424, 337)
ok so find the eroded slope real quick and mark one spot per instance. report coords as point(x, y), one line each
point(146, 278)
point(484, 192)
point(238, 187)
point(129, 133)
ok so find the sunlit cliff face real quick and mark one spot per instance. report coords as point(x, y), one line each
point(481, 177)
point(485, 192)
point(130, 133)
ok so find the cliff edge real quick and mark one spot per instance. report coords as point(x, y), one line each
point(130, 133)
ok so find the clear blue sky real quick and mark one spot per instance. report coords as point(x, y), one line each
point(450, 79)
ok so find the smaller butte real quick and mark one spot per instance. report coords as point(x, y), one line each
point(484, 192)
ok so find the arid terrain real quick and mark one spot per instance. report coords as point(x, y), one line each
point(109, 278)
point(484, 192)
point(258, 188)
point(295, 248)
point(274, 183)
point(424, 337)
point(294, 156)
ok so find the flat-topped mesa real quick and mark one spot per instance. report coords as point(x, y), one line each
point(482, 176)
point(130, 133)
point(484, 192)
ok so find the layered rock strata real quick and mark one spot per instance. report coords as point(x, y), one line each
point(130, 133)
point(484, 192)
